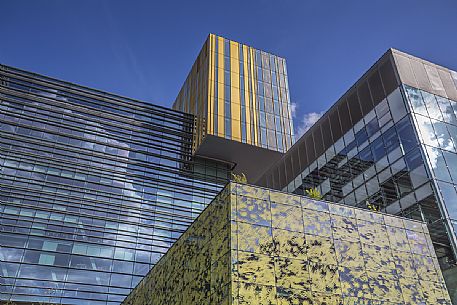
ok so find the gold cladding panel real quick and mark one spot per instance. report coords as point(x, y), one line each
point(204, 91)
point(249, 247)
point(235, 91)
point(220, 89)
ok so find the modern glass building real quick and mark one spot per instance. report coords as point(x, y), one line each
point(390, 141)
point(94, 188)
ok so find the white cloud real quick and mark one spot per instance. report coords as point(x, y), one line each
point(293, 109)
point(308, 120)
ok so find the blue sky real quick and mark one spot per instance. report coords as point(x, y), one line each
point(144, 49)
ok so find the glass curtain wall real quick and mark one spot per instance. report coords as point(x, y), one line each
point(94, 188)
point(380, 162)
point(436, 121)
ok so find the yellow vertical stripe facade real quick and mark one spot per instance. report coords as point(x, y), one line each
point(220, 88)
point(208, 103)
point(210, 112)
point(246, 95)
point(254, 97)
point(235, 104)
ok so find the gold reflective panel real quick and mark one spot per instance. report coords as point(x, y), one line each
point(235, 91)
point(220, 88)
point(225, 87)
point(254, 246)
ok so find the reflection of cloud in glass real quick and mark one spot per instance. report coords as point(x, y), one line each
point(416, 101)
point(426, 130)
point(432, 106)
point(433, 155)
point(121, 151)
point(442, 136)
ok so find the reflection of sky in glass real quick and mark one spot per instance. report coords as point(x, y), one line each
point(416, 101)
point(426, 130)
point(432, 107)
point(438, 130)
point(106, 200)
point(442, 135)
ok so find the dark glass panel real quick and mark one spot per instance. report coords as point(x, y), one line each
point(295, 162)
point(344, 116)
point(318, 144)
point(310, 148)
point(388, 76)
point(303, 153)
point(449, 194)
point(413, 159)
point(326, 133)
point(372, 127)
point(390, 139)
point(406, 134)
point(354, 107)
point(361, 136)
point(335, 124)
point(288, 166)
point(378, 149)
point(376, 89)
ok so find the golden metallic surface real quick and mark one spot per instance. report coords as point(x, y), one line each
point(221, 88)
point(211, 81)
point(203, 94)
point(254, 246)
point(235, 91)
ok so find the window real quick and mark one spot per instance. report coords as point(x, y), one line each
point(442, 135)
point(406, 134)
point(426, 130)
point(449, 194)
point(416, 101)
point(46, 259)
point(413, 159)
point(438, 164)
point(378, 149)
point(432, 106)
point(451, 161)
point(390, 139)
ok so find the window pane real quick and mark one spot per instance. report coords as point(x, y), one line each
point(451, 161)
point(438, 164)
point(426, 131)
point(406, 134)
point(432, 106)
point(416, 101)
point(449, 194)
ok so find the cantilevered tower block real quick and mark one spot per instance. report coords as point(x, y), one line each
point(240, 98)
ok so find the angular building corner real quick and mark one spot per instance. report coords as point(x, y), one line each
point(389, 141)
point(238, 94)
point(253, 245)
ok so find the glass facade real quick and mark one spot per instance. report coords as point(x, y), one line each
point(380, 161)
point(94, 188)
point(389, 145)
point(256, 246)
point(239, 93)
point(436, 122)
